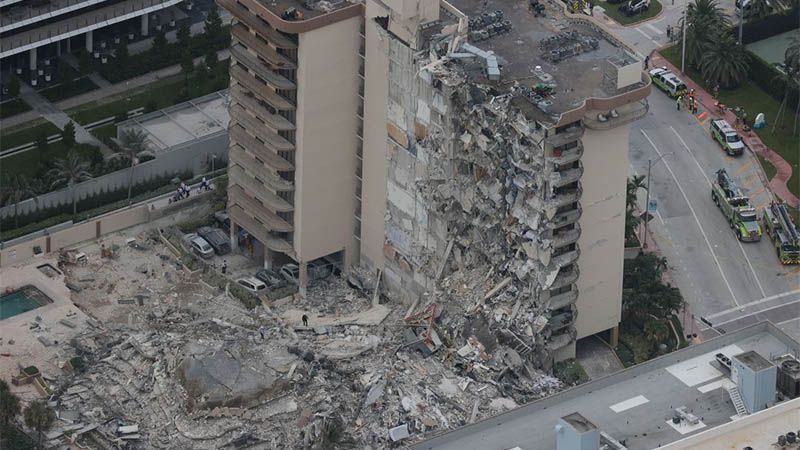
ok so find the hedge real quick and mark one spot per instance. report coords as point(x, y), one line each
point(772, 25)
point(768, 78)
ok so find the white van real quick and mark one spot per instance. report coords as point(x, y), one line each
point(252, 284)
point(202, 248)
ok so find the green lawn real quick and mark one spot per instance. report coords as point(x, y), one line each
point(17, 136)
point(68, 89)
point(105, 132)
point(31, 163)
point(13, 107)
point(160, 94)
point(612, 11)
point(754, 100)
point(769, 169)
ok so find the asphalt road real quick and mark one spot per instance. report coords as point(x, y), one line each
point(717, 275)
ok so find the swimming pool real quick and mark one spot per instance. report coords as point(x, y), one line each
point(22, 300)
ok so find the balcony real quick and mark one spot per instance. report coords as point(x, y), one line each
point(566, 156)
point(254, 23)
point(558, 341)
point(566, 258)
point(559, 321)
point(561, 300)
point(272, 222)
point(566, 237)
point(272, 140)
point(565, 277)
point(274, 121)
point(566, 196)
point(239, 176)
point(271, 55)
point(625, 114)
point(241, 138)
point(245, 58)
point(259, 231)
point(264, 92)
point(568, 176)
point(566, 136)
point(37, 36)
point(566, 217)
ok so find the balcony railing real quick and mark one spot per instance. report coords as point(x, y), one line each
point(561, 300)
point(567, 196)
point(562, 320)
point(240, 137)
point(273, 222)
point(566, 156)
point(271, 139)
point(274, 121)
point(625, 114)
point(561, 340)
point(242, 56)
point(274, 58)
point(238, 176)
point(566, 217)
point(566, 277)
point(566, 258)
point(569, 176)
point(254, 23)
point(565, 136)
point(566, 237)
point(260, 89)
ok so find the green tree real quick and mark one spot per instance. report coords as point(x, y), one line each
point(84, 62)
point(187, 65)
point(39, 417)
point(70, 171)
point(201, 72)
point(724, 61)
point(122, 59)
point(704, 18)
point(644, 295)
point(16, 188)
point(13, 87)
point(656, 331)
point(9, 403)
point(184, 36)
point(210, 59)
point(213, 24)
point(68, 134)
point(133, 144)
point(159, 43)
point(631, 219)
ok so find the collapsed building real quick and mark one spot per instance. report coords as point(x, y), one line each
point(424, 140)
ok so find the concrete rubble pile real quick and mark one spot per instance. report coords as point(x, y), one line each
point(203, 372)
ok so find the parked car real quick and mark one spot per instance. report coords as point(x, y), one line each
point(187, 239)
point(223, 220)
point(252, 284)
point(271, 278)
point(217, 238)
point(317, 270)
point(202, 248)
point(634, 7)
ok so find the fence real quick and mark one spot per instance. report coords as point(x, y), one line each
point(191, 156)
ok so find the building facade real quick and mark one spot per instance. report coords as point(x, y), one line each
point(418, 139)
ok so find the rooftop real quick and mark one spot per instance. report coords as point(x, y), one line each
point(308, 8)
point(635, 405)
point(571, 54)
point(754, 361)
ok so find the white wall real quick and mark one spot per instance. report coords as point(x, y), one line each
point(327, 79)
point(602, 241)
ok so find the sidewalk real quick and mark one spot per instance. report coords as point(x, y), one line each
point(784, 170)
point(104, 92)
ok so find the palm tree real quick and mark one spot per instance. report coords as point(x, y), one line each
point(724, 61)
point(70, 171)
point(632, 221)
point(702, 18)
point(9, 403)
point(133, 142)
point(39, 417)
point(17, 187)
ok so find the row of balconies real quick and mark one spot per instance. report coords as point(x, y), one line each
point(257, 189)
point(261, 90)
point(256, 24)
point(259, 230)
point(562, 156)
point(563, 299)
point(563, 319)
point(245, 58)
point(270, 55)
point(271, 139)
point(562, 257)
point(566, 217)
point(566, 237)
point(240, 137)
point(569, 176)
point(273, 222)
point(263, 112)
point(565, 196)
point(561, 339)
point(566, 135)
point(567, 275)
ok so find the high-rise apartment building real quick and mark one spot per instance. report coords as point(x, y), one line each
point(26, 26)
point(422, 139)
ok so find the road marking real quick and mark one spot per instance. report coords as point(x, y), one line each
point(756, 312)
point(696, 220)
point(629, 403)
point(648, 37)
point(787, 321)
point(749, 264)
point(655, 30)
point(754, 303)
point(744, 167)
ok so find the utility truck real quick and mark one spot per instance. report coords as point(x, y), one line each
point(735, 206)
point(785, 236)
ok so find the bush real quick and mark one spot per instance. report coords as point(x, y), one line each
point(570, 372)
point(772, 25)
point(767, 77)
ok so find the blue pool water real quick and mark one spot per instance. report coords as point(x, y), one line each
point(22, 300)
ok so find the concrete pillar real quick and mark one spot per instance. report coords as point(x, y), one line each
point(58, 48)
point(89, 41)
point(614, 336)
point(303, 281)
point(145, 24)
point(234, 240)
point(32, 61)
point(69, 44)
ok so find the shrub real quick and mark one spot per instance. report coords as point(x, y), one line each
point(772, 25)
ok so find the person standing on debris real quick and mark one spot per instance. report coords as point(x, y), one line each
point(263, 330)
point(224, 266)
point(305, 320)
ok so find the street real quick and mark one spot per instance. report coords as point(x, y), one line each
point(722, 279)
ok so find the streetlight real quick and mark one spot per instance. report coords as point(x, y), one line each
point(683, 38)
point(213, 158)
point(650, 164)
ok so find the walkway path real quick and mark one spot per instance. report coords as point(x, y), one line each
point(784, 170)
point(597, 359)
point(57, 117)
point(108, 91)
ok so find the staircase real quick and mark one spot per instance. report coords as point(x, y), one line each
point(736, 398)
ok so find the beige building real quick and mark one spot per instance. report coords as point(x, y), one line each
point(419, 139)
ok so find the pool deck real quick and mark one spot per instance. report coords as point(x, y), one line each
point(27, 349)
